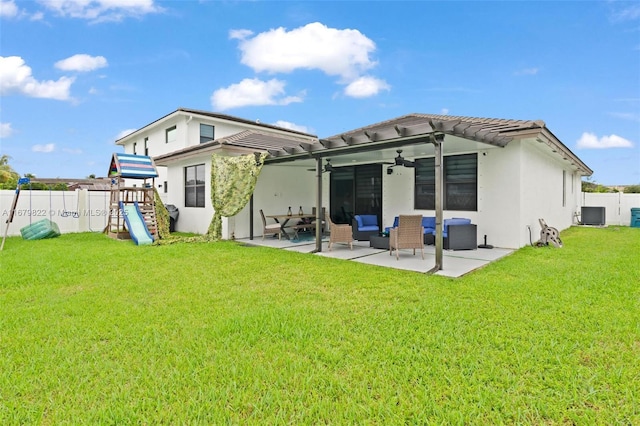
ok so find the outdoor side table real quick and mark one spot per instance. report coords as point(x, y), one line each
point(379, 242)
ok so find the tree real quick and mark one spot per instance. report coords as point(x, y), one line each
point(589, 185)
point(632, 189)
point(8, 176)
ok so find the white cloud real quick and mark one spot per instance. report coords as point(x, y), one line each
point(8, 9)
point(591, 141)
point(252, 92)
point(365, 86)
point(124, 133)
point(101, 10)
point(38, 16)
point(15, 77)
point(240, 34)
point(626, 13)
point(81, 63)
point(43, 148)
point(527, 71)
point(5, 130)
point(444, 111)
point(291, 126)
point(343, 53)
point(631, 116)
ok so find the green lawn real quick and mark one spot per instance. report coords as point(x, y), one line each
point(97, 331)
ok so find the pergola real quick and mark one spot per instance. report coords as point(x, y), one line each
point(417, 129)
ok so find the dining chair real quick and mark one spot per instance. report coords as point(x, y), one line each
point(272, 228)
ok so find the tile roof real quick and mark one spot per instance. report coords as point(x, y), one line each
point(406, 129)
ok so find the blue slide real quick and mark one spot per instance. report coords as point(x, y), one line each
point(135, 224)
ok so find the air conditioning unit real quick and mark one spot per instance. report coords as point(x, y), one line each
point(593, 216)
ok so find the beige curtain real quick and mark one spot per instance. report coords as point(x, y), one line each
point(233, 180)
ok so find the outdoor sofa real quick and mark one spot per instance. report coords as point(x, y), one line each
point(459, 234)
point(365, 225)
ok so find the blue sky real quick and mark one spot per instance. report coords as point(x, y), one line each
point(75, 75)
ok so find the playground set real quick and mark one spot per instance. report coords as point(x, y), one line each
point(132, 212)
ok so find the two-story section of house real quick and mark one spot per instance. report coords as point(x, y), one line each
point(185, 139)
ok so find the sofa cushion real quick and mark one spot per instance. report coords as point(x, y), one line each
point(428, 223)
point(395, 224)
point(453, 221)
point(367, 222)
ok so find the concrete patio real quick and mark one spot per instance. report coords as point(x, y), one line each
point(455, 263)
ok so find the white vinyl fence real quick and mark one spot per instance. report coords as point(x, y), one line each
point(617, 205)
point(72, 211)
point(88, 211)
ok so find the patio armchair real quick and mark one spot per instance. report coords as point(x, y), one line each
point(365, 225)
point(339, 233)
point(428, 226)
point(459, 234)
point(408, 234)
point(272, 228)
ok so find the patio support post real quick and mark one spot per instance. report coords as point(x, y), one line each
point(437, 142)
point(251, 217)
point(319, 217)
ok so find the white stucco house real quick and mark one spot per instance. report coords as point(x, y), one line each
point(502, 174)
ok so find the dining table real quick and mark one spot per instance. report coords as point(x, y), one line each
point(283, 220)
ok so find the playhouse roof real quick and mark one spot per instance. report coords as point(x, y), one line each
point(132, 166)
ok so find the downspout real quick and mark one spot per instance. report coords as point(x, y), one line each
point(319, 217)
point(437, 142)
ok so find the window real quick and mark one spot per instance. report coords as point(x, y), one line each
point(170, 134)
point(166, 187)
point(146, 146)
point(206, 133)
point(134, 148)
point(194, 186)
point(564, 188)
point(460, 185)
point(573, 181)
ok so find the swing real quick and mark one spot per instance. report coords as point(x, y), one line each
point(65, 212)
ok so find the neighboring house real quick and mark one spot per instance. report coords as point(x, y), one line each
point(502, 174)
point(181, 144)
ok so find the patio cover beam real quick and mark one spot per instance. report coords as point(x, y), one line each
point(340, 148)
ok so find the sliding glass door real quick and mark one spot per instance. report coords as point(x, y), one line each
point(356, 190)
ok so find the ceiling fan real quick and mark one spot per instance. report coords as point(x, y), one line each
point(327, 167)
point(400, 161)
